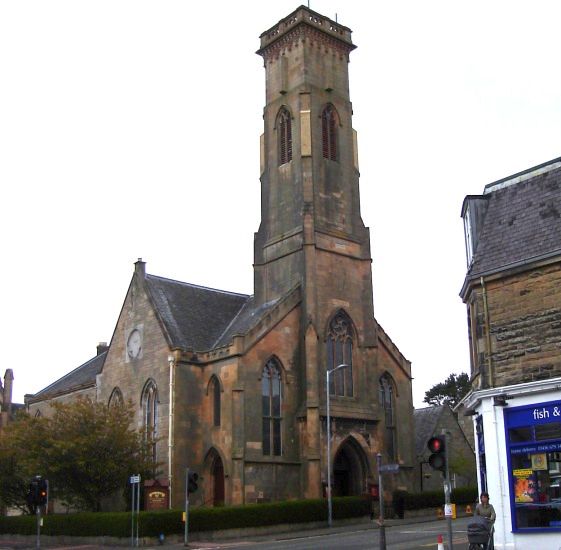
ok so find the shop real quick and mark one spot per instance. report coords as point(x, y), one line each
point(518, 452)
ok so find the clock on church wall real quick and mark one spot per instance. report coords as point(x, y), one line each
point(134, 343)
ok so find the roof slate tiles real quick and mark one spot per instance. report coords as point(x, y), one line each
point(425, 425)
point(522, 222)
point(195, 317)
point(81, 376)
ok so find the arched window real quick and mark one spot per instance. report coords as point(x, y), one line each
point(215, 396)
point(150, 414)
point(340, 352)
point(387, 405)
point(116, 398)
point(284, 132)
point(329, 132)
point(271, 391)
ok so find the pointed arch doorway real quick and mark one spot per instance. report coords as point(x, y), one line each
point(215, 491)
point(350, 470)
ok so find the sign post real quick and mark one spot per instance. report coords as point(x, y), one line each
point(447, 495)
point(186, 534)
point(381, 501)
point(135, 508)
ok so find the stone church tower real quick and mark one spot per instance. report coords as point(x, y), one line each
point(235, 385)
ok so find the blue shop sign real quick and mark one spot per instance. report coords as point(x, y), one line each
point(539, 413)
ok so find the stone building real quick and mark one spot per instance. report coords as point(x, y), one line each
point(513, 295)
point(434, 421)
point(235, 385)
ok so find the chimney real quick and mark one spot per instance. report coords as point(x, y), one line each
point(7, 392)
point(140, 268)
point(102, 347)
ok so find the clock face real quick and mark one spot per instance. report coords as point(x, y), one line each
point(134, 344)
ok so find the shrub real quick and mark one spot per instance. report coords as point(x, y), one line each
point(151, 524)
point(434, 499)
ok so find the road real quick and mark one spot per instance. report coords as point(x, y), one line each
point(405, 536)
point(418, 536)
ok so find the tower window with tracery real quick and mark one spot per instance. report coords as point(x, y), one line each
point(340, 352)
point(271, 392)
point(284, 126)
point(329, 132)
point(388, 407)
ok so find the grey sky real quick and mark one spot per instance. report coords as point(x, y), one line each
point(131, 129)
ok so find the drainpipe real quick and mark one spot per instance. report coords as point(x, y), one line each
point(487, 332)
point(171, 361)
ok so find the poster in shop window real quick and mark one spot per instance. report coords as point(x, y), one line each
point(539, 462)
point(525, 485)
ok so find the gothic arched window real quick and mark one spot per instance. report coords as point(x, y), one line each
point(215, 396)
point(271, 392)
point(329, 132)
point(149, 403)
point(116, 398)
point(340, 352)
point(387, 404)
point(284, 132)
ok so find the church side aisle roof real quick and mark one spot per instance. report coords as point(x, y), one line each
point(247, 317)
point(194, 316)
point(82, 376)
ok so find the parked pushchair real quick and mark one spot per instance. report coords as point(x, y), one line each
point(480, 534)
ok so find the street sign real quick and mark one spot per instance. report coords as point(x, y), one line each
point(389, 468)
point(135, 479)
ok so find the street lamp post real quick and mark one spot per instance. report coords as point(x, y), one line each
point(329, 506)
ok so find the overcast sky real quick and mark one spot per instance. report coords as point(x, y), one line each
point(131, 129)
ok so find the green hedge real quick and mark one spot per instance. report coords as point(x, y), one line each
point(200, 519)
point(434, 499)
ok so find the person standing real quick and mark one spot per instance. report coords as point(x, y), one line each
point(484, 508)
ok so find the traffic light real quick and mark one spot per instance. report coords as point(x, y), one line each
point(43, 495)
point(38, 493)
point(192, 485)
point(437, 447)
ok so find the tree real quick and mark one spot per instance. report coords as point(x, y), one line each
point(449, 392)
point(86, 450)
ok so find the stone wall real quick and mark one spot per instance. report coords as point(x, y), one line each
point(524, 318)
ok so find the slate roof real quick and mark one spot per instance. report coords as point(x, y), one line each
point(82, 376)
point(522, 221)
point(244, 320)
point(425, 422)
point(195, 317)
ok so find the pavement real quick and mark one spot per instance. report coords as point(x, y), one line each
point(175, 543)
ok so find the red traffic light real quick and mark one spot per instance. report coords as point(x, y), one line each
point(436, 444)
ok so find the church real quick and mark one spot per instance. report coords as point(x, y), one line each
point(235, 386)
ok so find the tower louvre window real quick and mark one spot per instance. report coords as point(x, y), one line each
point(284, 126)
point(329, 132)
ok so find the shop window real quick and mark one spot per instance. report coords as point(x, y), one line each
point(481, 452)
point(534, 455)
